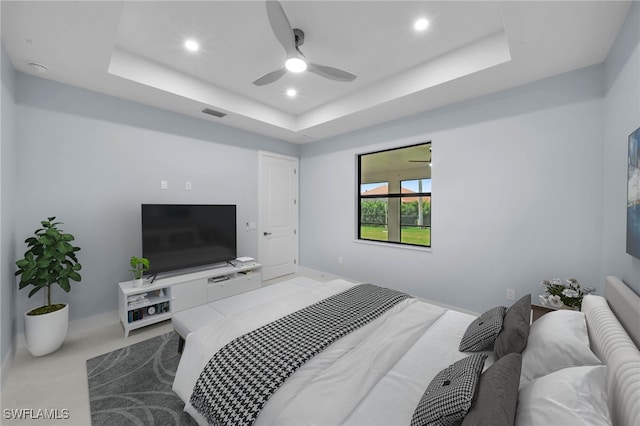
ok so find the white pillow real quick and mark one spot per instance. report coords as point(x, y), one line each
point(572, 396)
point(557, 340)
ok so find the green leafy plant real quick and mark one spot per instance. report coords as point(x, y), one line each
point(138, 266)
point(50, 258)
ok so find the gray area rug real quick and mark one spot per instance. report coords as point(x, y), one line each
point(132, 385)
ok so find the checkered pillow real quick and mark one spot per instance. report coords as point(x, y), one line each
point(482, 332)
point(450, 394)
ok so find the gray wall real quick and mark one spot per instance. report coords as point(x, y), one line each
point(91, 160)
point(8, 144)
point(622, 116)
point(517, 193)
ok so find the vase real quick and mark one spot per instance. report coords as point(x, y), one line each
point(45, 333)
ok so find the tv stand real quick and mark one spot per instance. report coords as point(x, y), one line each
point(158, 299)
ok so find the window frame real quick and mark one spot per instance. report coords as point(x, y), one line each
point(389, 196)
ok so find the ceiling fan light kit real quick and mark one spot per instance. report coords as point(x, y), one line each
point(295, 65)
point(291, 40)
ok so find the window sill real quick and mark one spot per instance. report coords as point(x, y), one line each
point(392, 245)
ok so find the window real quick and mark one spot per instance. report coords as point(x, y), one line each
point(394, 195)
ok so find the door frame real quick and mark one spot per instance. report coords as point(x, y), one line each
point(262, 202)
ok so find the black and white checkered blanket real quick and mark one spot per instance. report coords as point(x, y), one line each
point(239, 379)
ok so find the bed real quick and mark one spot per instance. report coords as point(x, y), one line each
point(573, 367)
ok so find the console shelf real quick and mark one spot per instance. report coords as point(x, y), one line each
point(157, 301)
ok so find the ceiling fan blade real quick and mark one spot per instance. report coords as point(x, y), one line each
point(270, 77)
point(281, 26)
point(330, 72)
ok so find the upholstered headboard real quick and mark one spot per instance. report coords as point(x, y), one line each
point(608, 321)
point(626, 305)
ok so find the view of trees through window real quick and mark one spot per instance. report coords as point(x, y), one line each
point(398, 208)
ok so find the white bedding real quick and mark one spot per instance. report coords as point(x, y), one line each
point(374, 376)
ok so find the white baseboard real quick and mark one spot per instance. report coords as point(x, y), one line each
point(318, 275)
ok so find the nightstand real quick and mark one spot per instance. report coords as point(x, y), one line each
point(538, 310)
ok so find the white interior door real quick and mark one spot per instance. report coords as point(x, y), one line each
point(278, 203)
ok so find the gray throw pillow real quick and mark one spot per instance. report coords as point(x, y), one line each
point(482, 332)
point(497, 394)
point(450, 394)
point(515, 328)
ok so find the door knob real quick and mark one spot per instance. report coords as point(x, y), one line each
point(267, 233)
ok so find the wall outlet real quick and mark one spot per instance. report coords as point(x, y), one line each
point(511, 294)
point(340, 260)
point(164, 184)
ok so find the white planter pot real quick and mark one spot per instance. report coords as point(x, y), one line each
point(138, 282)
point(46, 333)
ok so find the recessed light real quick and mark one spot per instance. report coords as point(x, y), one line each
point(291, 93)
point(191, 45)
point(421, 24)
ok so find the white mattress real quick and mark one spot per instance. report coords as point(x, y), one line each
point(374, 376)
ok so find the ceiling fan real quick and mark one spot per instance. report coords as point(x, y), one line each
point(291, 39)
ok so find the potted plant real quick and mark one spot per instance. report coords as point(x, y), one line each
point(565, 296)
point(50, 259)
point(139, 265)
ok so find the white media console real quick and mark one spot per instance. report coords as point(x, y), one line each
point(157, 301)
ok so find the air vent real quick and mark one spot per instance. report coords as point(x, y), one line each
point(39, 68)
point(214, 112)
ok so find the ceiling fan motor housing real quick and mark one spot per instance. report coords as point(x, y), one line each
point(299, 36)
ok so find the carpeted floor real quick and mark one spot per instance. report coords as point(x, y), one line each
point(132, 386)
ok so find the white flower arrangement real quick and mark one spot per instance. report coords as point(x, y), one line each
point(561, 295)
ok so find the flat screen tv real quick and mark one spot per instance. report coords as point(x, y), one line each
point(180, 236)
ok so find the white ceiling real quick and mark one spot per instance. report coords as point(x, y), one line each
point(134, 50)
